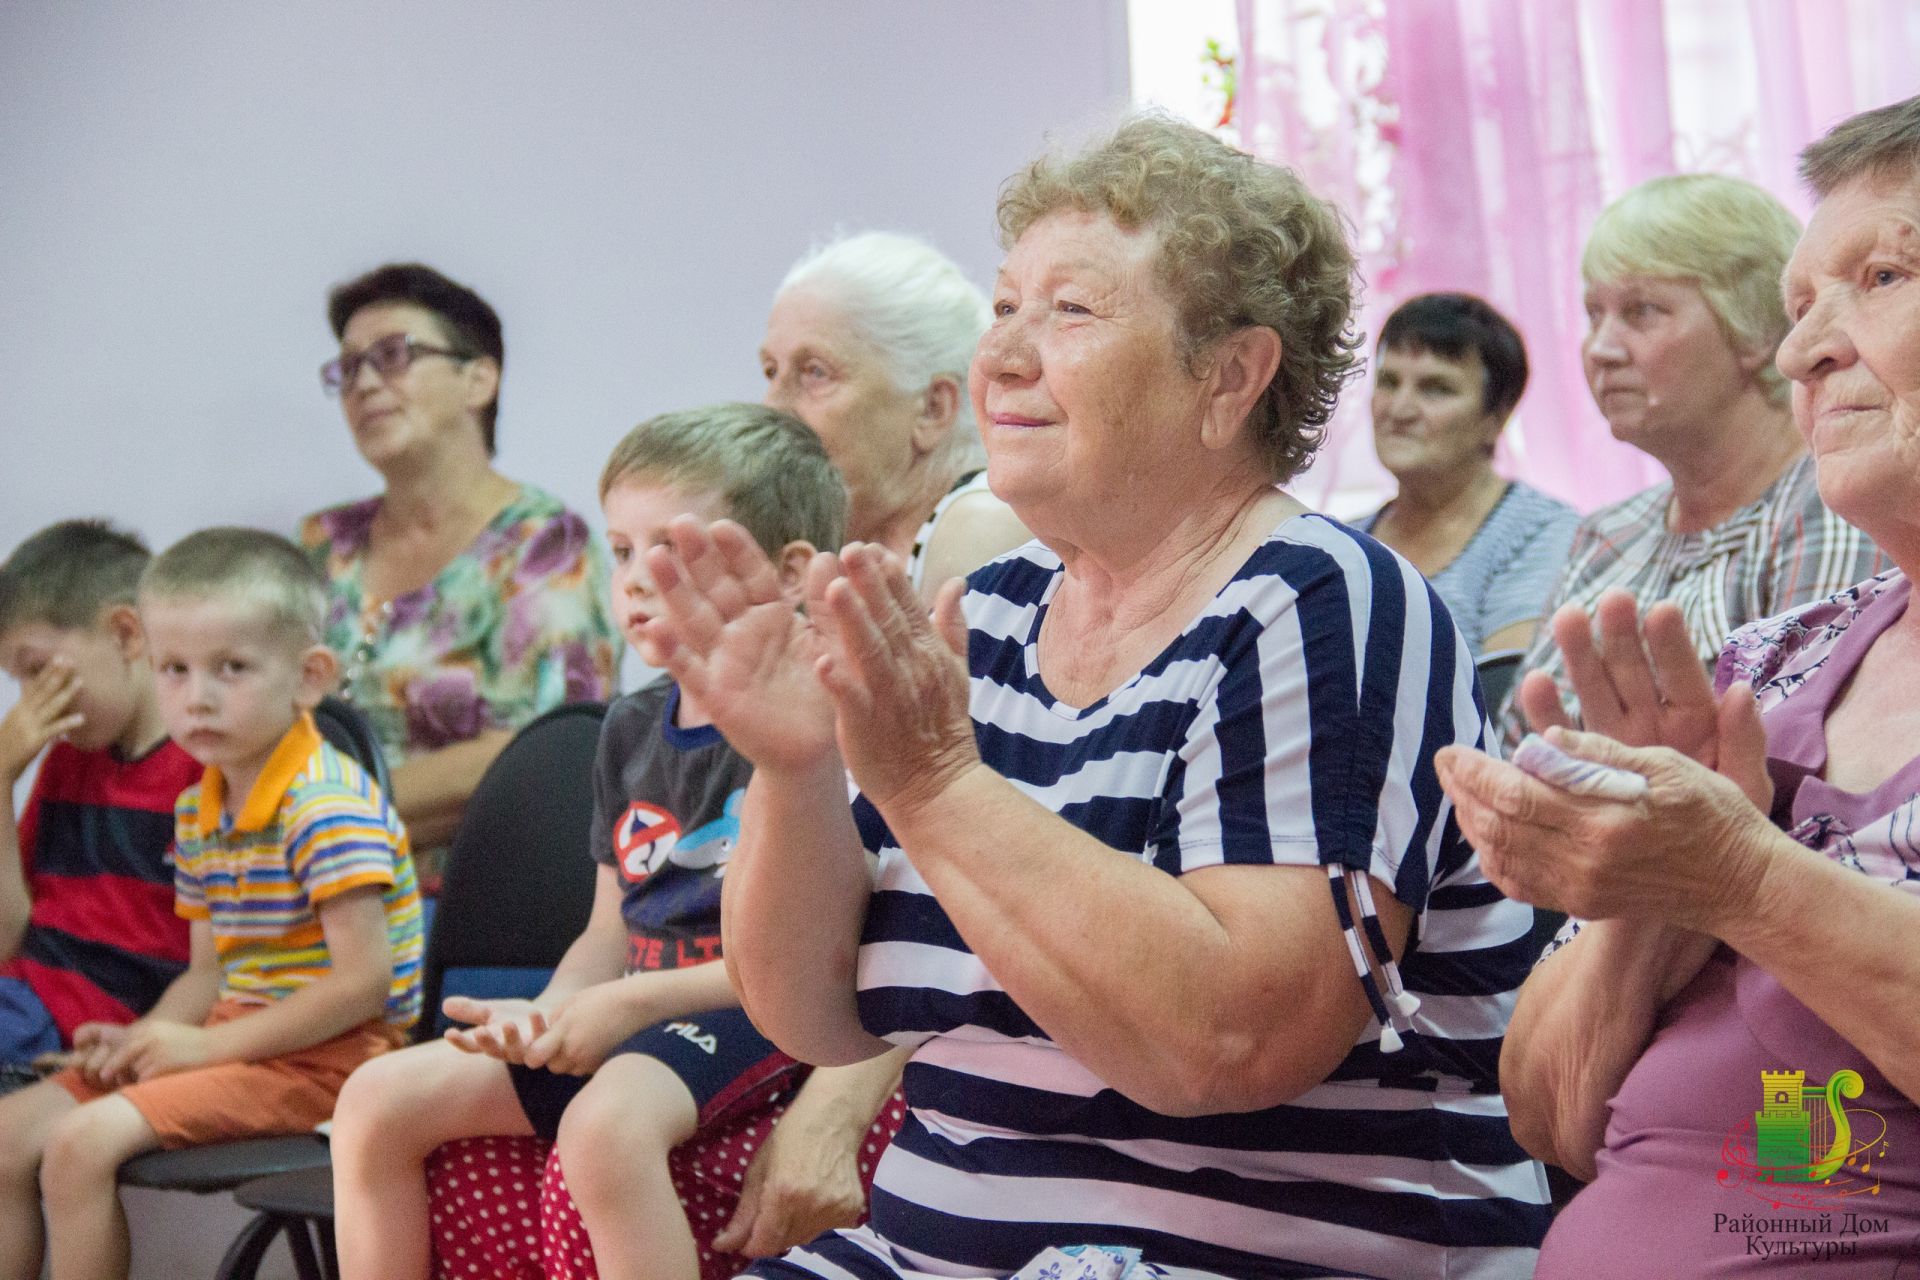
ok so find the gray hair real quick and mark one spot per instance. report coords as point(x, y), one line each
point(768, 468)
point(914, 306)
point(247, 568)
point(1884, 141)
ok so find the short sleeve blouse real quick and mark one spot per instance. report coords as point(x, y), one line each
point(1293, 723)
point(514, 625)
point(1509, 566)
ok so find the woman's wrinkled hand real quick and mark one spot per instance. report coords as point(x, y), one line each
point(737, 646)
point(897, 676)
point(802, 1182)
point(1688, 853)
point(1639, 682)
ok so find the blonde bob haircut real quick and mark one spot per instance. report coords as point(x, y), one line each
point(1723, 234)
point(1242, 242)
point(244, 569)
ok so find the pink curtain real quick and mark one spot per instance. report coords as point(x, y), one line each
point(1472, 142)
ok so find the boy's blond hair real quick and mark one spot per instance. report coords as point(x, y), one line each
point(246, 567)
point(769, 469)
point(67, 574)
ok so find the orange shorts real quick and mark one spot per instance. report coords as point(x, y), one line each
point(288, 1094)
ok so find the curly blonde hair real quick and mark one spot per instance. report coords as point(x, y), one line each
point(1242, 243)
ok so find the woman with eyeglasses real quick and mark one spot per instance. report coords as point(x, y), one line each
point(463, 603)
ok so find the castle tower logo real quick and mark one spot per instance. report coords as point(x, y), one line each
point(1806, 1147)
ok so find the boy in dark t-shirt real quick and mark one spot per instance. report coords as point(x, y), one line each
point(638, 1041)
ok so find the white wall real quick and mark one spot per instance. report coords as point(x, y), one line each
point(625, 180)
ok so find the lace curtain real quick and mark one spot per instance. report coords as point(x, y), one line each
point(1472, 142)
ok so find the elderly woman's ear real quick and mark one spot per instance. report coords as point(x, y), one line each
point(939, 406)
point(1243, 366)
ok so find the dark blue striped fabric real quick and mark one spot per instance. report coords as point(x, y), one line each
point(1293, 723)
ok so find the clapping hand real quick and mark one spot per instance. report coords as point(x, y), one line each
point(898, 678)
point(735, 643)
point(583, 1029)
point(497, 1028)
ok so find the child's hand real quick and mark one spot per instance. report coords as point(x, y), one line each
point(42, 714)
point(94, 1044)
point(584, 1028)
point(500, 1028)
point(157, 1048)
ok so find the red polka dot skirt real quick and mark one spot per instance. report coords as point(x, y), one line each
point(500, 1208)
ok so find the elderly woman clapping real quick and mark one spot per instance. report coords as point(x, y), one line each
point(1147, 861)
point(1753, 948)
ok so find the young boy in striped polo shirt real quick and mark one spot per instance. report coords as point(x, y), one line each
point(295, 879)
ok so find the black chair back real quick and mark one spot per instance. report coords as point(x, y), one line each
point(1497, 672)
point(519, 880)
point(345, 726)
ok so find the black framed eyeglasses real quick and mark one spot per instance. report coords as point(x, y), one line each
point(390, 357)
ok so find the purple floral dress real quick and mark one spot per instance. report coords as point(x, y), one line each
point(516, 624)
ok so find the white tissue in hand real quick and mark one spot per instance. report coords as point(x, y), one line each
point(1536, 756)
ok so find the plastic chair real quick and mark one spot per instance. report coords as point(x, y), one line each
point(347, 728)
point(518, 890)
point(1497, 671)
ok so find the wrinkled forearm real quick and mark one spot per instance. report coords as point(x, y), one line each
point(792, 906)
point(841, 1102)
point(1583, 1019)
point(1172, 999)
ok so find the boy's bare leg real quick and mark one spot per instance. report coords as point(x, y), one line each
point(27, 1119)
point(614, 1140)
point(393, 1112)
point(86, 1227)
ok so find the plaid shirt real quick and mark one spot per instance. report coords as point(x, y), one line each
point(1780, 551)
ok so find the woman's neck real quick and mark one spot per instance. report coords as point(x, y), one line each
point(1429, 500)
point(449, 487)
point(1144, 569)
point(1734, 461)
point(895, 528)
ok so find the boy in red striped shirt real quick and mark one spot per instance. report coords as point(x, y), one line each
point(87, 927)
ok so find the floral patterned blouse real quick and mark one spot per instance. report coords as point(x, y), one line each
point(514, 625)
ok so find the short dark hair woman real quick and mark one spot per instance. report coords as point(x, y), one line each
point(1448, 372)
point(462, 603)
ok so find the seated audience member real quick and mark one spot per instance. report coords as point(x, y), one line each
point(1683, 318)
point(868, 343)
point(1731, 1049)
point(87, 929)
point(1145, 822)
point(638, 1042)
point(293, 874)
point(462, 603)
point(1448, 371)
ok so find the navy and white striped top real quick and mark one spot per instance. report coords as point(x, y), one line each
point(1293, 723)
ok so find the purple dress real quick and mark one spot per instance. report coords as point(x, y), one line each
point(1730, 1082)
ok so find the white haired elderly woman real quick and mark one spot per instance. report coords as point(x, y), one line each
point(1683, 318)
point(868, 343)
point(1733, 1045)
point(1147, 862)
